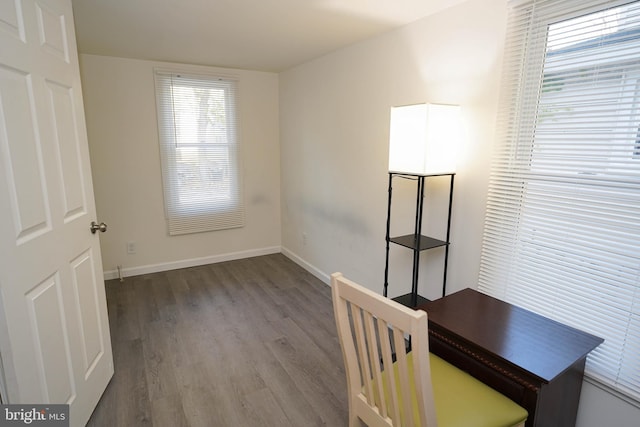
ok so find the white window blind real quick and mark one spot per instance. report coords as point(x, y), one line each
point(562, 229)
point(199, 152)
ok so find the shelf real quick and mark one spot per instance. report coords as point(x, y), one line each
point(416, 241)
point(406, 300)
point(409, 241)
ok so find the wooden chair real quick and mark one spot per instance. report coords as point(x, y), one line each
point(388, 386)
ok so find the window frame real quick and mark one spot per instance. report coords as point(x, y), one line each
point(200, 212)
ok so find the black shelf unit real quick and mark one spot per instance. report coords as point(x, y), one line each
point(416, 241)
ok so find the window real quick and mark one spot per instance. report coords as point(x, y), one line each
point(562, 229)
point(199, 152)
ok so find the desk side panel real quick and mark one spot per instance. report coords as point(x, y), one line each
point(561, 393)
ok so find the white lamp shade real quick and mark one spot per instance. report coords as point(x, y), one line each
point(423, 139)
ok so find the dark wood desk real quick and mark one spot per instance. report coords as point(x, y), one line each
point(535, 361)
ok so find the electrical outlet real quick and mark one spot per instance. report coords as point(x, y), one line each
point(131, 247)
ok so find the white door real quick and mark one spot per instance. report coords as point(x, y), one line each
point(55, 345)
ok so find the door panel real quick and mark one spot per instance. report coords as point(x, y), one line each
point(51, 29)
point(86, 294)
point(54, 333)
point(46, 315)
point(10, 21)
point(67, 150)
point(21, 146)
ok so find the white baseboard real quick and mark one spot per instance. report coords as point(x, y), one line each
point(307, 266)
point(193, 262)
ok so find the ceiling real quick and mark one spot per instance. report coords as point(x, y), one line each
point(265, 35)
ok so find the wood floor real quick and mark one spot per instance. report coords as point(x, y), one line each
point(241, 343)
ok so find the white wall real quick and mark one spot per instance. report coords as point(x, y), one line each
point(120, 109)
point(334, 140)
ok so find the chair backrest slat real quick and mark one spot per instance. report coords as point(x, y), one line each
point(403, 369)
point(365, 371)
point(374, 361)
point(389, 377)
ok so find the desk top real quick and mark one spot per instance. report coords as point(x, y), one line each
point(541, 346)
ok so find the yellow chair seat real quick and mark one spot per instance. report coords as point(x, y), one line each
point(463, 401)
